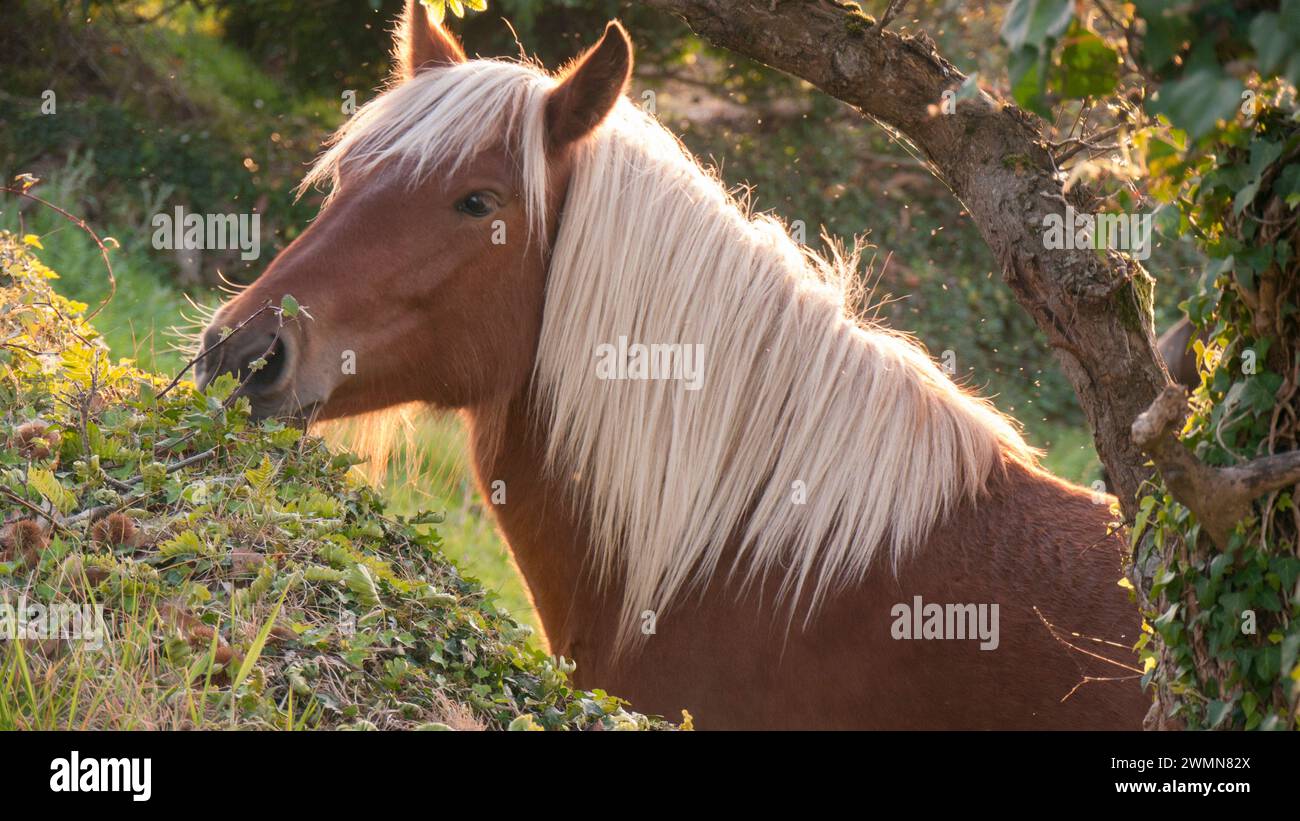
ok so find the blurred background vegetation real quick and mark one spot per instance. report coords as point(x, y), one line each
point(218, 105)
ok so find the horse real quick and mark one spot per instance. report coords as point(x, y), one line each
point(1175, 347)
point(727, 493)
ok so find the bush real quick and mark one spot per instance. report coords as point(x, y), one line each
point(247, 575)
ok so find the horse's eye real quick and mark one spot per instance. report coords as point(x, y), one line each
point(478, 204)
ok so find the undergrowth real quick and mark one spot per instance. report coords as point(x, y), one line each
point(232, 574)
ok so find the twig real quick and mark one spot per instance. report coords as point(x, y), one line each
point(40, 514)
point(894, 9)
point(82, 224)
point(1095, 679)
point(1078, 144)
point(97, 512)
point(1051, 628)
point(202, 354)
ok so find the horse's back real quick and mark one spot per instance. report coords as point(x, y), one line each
point(1035, 547)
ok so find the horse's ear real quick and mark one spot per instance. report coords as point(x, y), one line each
point(421, 43)
point(589, 88)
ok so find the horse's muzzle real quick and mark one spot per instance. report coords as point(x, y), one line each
point(262, 357)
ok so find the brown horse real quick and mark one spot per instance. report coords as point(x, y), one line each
point(726, 494)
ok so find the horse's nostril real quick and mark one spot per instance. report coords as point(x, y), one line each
point(270, 372)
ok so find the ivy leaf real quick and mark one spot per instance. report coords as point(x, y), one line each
point(1165, 35)
point(1262, 154)
point(1288, 185)
point(1166, 618)
point(524, 723)
point(1217, 712)
point(1290, 649)
point(1140, 523)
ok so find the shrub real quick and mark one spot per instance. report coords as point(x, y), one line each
point(248, 576)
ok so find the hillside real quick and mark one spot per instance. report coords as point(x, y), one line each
point(246, 575)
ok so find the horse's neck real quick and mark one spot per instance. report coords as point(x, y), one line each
point(546, 536)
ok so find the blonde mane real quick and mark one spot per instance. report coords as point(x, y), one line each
point(815, 443)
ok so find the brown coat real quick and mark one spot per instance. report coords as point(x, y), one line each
point(1034, 545)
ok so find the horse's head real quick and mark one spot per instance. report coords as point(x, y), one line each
point(423, 277)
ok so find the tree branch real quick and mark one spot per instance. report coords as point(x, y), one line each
point(894, 9)
point(1095, 308)
point(1220, 497)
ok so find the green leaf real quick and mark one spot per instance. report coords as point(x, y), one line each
point(1140, 523)
point(1088, 67)
point(1032, 22)
point(362, 585)
point(288, 306)
point(437, 10)
point(260, 477)
point(1271, 42)
point(1290, 649)
point(1263, 153)
point(1200, 98)
point(185, 543)
point(1028, 71)
point(524, 723)
point(1217, 712)
point(222, 387)
point(1166, 618)
point(1165, 35)
point(45, 483)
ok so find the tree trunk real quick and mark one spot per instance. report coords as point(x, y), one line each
point(1094, 308)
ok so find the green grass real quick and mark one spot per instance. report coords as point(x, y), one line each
point(221, 79)
point(1068, 452)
